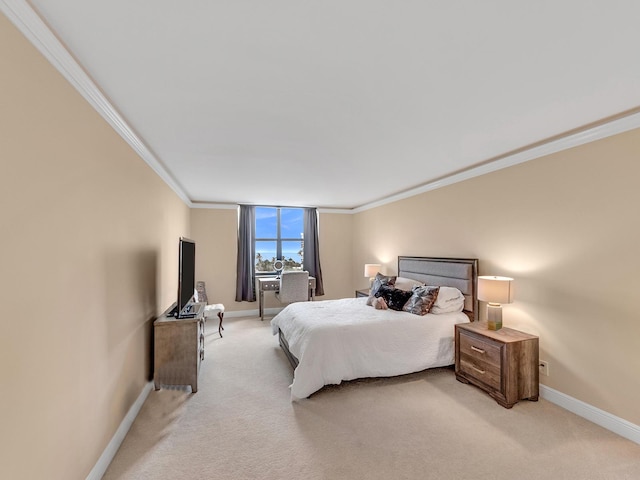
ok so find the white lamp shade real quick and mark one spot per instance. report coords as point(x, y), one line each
point(495, 289)
point(371, 269)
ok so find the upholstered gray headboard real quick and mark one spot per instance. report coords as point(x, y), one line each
point(461, 273)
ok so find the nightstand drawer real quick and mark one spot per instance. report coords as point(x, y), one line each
point(487, 374)
point(481, 350)
point(480, 358)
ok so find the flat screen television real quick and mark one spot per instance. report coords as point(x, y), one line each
point(186, 277)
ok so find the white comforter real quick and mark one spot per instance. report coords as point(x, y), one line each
point(336, 340)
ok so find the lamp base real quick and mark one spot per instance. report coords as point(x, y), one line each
point(494, 316)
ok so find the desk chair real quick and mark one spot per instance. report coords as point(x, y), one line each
point(200, 295)
point(213, 310)
point(294, 287)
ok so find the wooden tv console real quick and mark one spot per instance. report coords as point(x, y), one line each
point(178, 349)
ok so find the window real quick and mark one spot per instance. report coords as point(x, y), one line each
point(279, 236)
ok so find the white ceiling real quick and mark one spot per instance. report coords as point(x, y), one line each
point(340, 103)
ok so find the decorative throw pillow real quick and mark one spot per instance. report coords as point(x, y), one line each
point(379, 281)
point(394, 298)
point(422, 299)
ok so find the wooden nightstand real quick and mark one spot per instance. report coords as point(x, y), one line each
point(503, 363)
point(362, 293)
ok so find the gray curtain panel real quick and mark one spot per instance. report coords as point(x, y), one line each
point(311, 262)
point(245, 273)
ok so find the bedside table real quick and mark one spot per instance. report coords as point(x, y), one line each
point(362, 293)
point(503, 363)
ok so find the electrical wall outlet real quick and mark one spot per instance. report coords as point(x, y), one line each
point(543, 365)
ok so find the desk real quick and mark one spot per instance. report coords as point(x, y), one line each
point(272, 284)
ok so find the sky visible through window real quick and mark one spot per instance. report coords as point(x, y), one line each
point(291, 232)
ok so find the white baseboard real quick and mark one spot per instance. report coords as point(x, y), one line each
point(615, 424)
point(105, 459)
point(241, 313)
point(270, 312)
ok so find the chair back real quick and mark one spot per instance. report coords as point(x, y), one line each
point(294, 287)
point(200, 294)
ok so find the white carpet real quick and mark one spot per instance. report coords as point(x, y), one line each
point(241, 425)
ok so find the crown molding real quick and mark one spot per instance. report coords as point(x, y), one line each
point(217, 206)
point(613, 126)
point(22, 15)
point(233, 206)
point(343, 211)
point(609, 128)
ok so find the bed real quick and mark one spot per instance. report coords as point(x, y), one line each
point(331, 341)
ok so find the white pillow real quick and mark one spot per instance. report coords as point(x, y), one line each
point(407, 284)
point(449, 300)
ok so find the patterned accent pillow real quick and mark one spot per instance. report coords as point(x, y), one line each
point(378, 282)
point(395, 298)
point(422, 299)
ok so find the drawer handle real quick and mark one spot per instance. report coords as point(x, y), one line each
point(481, 372)
point(476, 349)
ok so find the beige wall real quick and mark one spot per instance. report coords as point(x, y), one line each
point(89, 257)
point(565, 227)
point(215, 233)
point(336, 254)
point(90, 248)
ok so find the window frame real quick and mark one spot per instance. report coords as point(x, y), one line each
point(278, 240)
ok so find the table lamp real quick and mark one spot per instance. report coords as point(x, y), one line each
point(370, 271)
point(496, 291)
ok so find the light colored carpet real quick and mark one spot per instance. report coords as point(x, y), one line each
point(242, 425)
